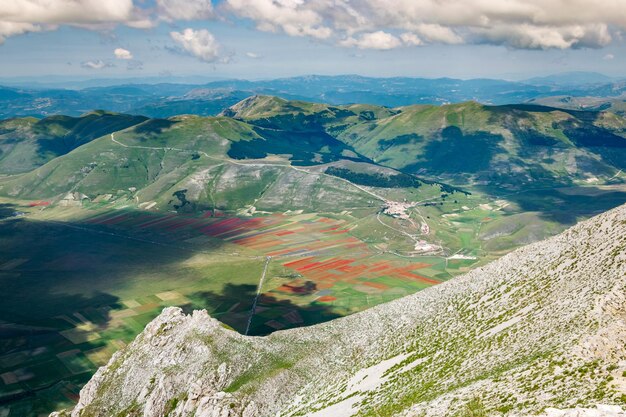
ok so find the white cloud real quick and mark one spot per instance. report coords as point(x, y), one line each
point(380, 24)
point(294, 17)
point(411, 39)
point(22, 16)
point(608, 57)
point(437, 33)
point(537, 37)
point(199, 43)
point(66, 11)
point(253, 55)
point(374, 40)
point(185, 9)
point(10, 29)
point(96, 64)
point(121, 53)
point(533, 24)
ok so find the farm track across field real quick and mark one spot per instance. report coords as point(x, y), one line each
point(258, 293)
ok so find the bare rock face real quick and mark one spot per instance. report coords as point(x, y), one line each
point(541, 331)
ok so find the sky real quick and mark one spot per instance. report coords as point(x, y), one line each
point(260, 39)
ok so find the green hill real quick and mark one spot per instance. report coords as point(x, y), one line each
point(184, 163)
point(251, 154)
point(506, 147)
point(28, 143)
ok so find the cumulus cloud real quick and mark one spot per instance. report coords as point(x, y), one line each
point(121, 53)
point(253, 55)
point(531, 24)
point(375, 40)
point(96, 64)
point(294, 17)
point(66, 11)
point(199, 43)
point(185, 9)
point(438, 34)
point(411, 39)
point(379, 24)
point(529, 36)
point(22, 16)
point(12, 28)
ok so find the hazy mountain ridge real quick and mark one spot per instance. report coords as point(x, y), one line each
point(541, 327)
point(169, 99)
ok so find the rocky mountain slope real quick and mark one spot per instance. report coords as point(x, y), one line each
point(542, 327)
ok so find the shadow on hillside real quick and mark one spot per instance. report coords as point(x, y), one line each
point(234, 304)
point(408, 139)
point(80, 130)
point(563, 206)
point(7, 210)
point(457, 153)
point(154, 126)
point(588, 116)
point(305, 147)
point(44, 265)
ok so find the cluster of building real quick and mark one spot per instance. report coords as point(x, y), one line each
point(397, 209)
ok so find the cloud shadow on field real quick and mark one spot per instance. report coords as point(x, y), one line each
point(234, 304)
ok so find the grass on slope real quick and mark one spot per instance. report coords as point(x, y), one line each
point(28, 143)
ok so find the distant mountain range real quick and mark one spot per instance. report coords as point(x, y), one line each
point(169, 99)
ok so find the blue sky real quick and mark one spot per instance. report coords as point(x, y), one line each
point(239, 39)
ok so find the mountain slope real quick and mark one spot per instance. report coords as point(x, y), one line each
point(507, 147)
point(543, 326)
point(28, 143)
point(158, 159)
point(502, 147)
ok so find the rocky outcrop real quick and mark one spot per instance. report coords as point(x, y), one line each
point(541, 330)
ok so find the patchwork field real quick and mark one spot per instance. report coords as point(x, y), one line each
point(315, 264)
